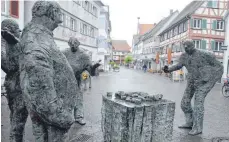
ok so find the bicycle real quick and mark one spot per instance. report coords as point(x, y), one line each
point(225, 89)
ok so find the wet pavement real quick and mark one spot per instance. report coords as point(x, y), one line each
point(216, 119)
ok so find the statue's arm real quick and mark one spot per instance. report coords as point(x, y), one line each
point(4, 65)
point(8, 51)
point(38, 80)
point(179, 65)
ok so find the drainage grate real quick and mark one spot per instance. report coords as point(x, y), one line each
point(82, 138)
point(221, 139)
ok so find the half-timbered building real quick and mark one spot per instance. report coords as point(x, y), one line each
point(201, 21)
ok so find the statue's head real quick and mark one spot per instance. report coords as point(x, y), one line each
point(74, 44)
point(12, 26)
point(189, 46)
point(48, 12)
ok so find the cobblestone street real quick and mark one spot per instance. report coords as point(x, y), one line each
point(216, 119)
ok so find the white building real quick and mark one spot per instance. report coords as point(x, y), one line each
point(80, 20)
point(13, 10)
point(104, 40)
point(226, 43)
point(151, 41)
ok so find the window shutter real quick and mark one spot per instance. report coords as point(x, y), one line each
point(209, 3)
point(204, 24)
point(191, 23)
point(213, 45)
point(203, 44)
point(214, 23)
point(14, 8)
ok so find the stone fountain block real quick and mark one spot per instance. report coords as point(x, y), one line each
point(149, 121)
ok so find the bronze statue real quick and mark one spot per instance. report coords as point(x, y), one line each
point(80, 62)
point(10, 54)
point(204, 70)
point(47, 81)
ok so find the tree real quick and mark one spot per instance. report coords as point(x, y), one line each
point(128, 59)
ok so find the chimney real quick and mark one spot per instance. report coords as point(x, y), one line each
point(171, 11)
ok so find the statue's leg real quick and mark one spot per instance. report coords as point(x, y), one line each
point(18, 117)
point(198, 112)
point(85, 84)
point(78, 110)
point(89, 81)
point(57, 135)
point(186, 105)
point(40, 131)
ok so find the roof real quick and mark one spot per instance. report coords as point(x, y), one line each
point(143, 28)
point(99, 2)
point(121, 45)
point(158, 26)
point(185, 13)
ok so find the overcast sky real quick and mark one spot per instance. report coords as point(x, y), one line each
point(124, 13)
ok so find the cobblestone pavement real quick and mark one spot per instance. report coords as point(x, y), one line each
point(216, 119)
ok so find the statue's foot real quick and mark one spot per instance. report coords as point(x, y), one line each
point(194, 132)
point(81, 121)
point(186, 126)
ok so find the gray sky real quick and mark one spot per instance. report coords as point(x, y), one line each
point(124, 13)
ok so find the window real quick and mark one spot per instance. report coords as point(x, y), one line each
point(67, 21)
point(3, 6)
point(213, 3)
point(185, 26)
point(181, 27)
point(73, 24)
point(81, 28)
point(175, 31)
point(220, 25)
point(85, 29)
point(92, 32)
point(197, 23)
point(14, 8)
point(218, 45)
point(171, 33)
point(86, 5)
point(62, 16)
point(197, 44)
point(94, 11)
point(166, 36)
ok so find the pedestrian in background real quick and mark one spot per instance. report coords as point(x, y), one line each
point(144, 67)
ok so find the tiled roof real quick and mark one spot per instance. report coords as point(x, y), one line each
point(158, 26)
point(121, 45)
point(185, 13)
point(143, 28)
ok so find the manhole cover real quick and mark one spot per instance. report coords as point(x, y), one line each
point(82, 138)
point(220, 139)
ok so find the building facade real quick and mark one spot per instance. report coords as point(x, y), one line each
point(104, 39)
point(80, 20)
point(13, 10)
point(200, 21)
point(120, 50)
point(151, 42)
point(226, 44)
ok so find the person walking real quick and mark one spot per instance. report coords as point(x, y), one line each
point(144, 67)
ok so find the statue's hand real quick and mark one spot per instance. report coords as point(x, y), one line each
point(8, 36)
point(166, 69)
